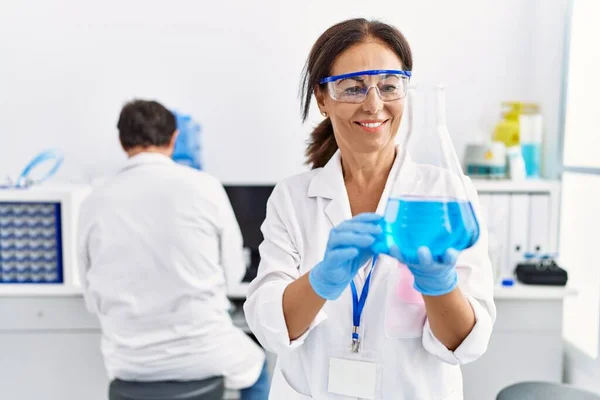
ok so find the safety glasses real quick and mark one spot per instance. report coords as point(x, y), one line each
point(354, 87)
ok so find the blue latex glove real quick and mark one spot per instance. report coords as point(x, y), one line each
point(432, 277)
point(348, 248)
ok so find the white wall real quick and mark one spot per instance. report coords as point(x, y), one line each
point(67, 66)
point(580, 214)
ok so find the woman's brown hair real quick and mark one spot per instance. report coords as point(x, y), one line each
point(333, 42)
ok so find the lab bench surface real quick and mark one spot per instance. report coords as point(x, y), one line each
point(526, 343)
point(54, 342)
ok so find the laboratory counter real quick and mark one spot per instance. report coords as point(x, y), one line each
point(50, 344)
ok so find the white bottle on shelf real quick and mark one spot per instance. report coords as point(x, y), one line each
point(516, 164)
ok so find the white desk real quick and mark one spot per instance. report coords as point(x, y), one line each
point(50, 345)
point(50, 349)
point(526, 343)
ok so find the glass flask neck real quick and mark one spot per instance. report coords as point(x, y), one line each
point(440, 106)
point(431, 109)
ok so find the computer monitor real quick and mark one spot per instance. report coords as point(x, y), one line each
point(249, 204)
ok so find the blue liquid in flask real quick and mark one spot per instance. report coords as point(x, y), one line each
point(439, 224)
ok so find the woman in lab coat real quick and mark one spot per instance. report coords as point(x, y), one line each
point(420, 321)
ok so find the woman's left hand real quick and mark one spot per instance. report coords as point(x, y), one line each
point(432, 278)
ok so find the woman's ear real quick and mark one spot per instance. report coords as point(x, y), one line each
point(320, 97)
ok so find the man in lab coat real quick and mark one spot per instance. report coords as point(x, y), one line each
point(159, 245)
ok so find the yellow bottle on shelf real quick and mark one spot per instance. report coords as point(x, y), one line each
point(507, 130)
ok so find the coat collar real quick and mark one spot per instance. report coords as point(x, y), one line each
point(146, 158)
point(329, 183)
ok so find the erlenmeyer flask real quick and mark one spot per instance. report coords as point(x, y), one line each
point(430, 204)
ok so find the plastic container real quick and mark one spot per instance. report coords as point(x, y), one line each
point(516, 164)
point(529, 257)
point(507, 129)
point(530, 132)
point(188, 147)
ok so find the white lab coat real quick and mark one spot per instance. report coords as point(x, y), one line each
point(158, 246)
point(412, 363)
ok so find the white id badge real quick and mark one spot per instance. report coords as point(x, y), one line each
point(352, 378)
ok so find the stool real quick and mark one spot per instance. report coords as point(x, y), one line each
point(206, 389)
point(545, 391)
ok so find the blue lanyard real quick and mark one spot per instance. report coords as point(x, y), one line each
point(358, 304)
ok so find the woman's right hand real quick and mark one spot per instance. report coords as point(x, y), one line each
point(348, 248)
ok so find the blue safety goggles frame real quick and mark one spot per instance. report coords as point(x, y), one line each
point(334, 78)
